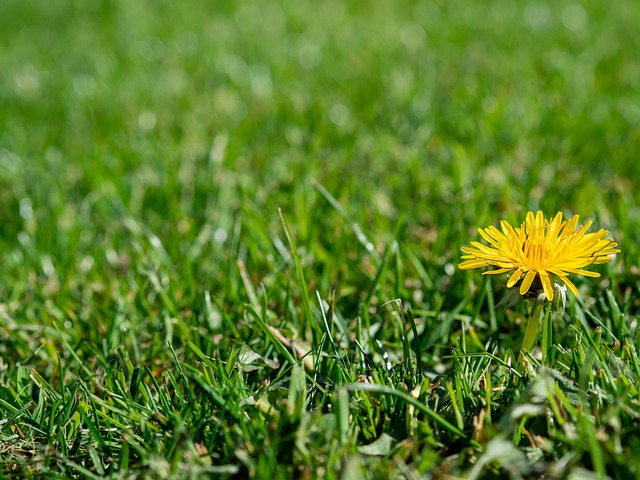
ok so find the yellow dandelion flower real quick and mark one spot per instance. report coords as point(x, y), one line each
point(539, 251)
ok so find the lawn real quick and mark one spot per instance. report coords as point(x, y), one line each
point(230, 235)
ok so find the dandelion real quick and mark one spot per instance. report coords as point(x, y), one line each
point(539, 256)
point(540, 252)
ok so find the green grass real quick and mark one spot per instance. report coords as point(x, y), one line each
point(219, 222)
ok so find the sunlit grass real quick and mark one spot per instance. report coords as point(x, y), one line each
point(221, 225)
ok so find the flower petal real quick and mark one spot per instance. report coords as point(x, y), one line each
point(528, 280)
point(513, 279)
point(571, 286)
point(546, 284)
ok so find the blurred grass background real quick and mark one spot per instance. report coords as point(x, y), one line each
point(146, 147)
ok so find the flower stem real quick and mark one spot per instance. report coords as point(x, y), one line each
point(533, 323)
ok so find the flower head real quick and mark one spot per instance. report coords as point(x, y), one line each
point(539, 251)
